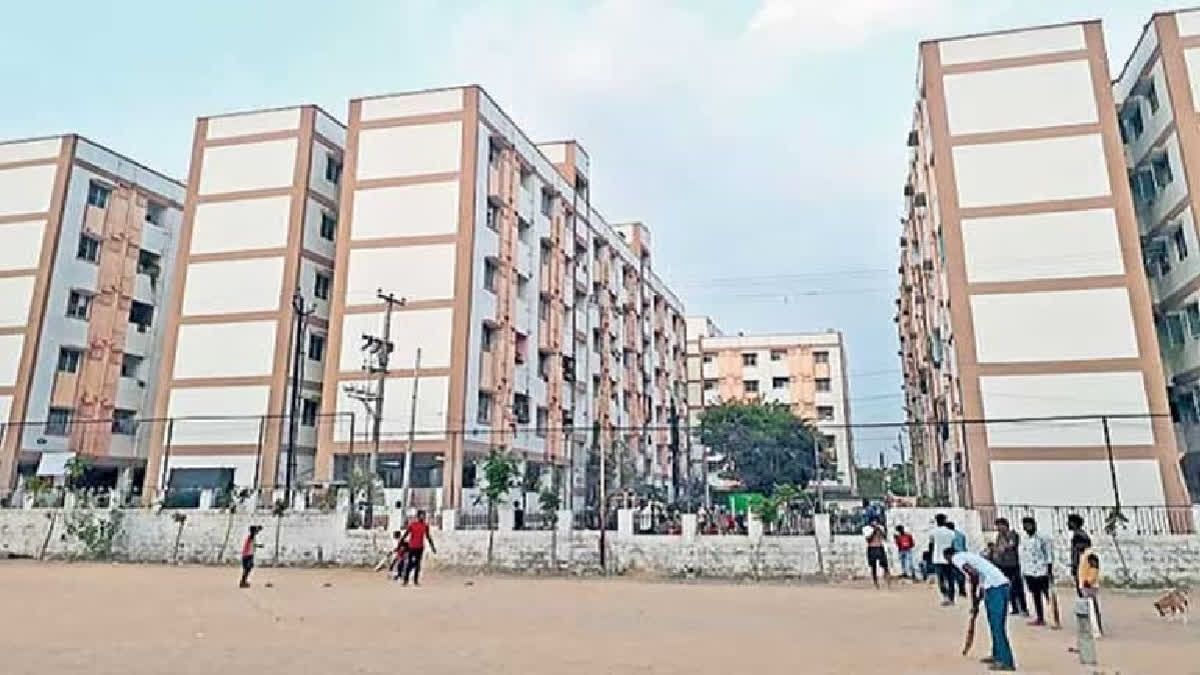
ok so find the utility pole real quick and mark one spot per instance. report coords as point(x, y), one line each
point(603, 499)
point(412, 433)
point(1112, 466)
point(674, 451)
point(301, 314)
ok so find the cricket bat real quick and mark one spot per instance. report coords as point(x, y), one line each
point(970, 640)
point(1054, 609)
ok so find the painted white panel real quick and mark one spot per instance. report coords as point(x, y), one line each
point(1192, 58)
point(405, 211)
point(242, 465)
point(21, 244)
point(225, 349)
point(15, 296)
point(325, 125)
point(10, 358)
point(409, 150)
point(1189, 23)
point(26, 151)
point(27, 189)
point(414, 272)
point(232, 286)
point(1042, 246)
point(320, 159)
point(1045, 95)
point(231, 404)
point(428, 329)
point(249, 166)
point(432, 403)
point(404, 105)
point(1053, 326)
point(1070, 167)
point(5, 408)
point(555, 152)
point(1009, 45)
point(241, 224)
point(253, 123)
point(1067, 394)
point(1082, 483)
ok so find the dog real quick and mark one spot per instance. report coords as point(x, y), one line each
point(1175, 602)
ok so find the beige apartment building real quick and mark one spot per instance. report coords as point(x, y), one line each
point(87, 240)
point(1022, 293)
point(806, 371)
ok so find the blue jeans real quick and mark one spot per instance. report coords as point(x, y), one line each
point(906, 564)
point(995, 600)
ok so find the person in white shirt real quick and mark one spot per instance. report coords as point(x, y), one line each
point(989, 584)
point(941, 539)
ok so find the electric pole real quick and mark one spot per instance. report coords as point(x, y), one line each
point(674, 451)
point(412, 433)
point(301, 312)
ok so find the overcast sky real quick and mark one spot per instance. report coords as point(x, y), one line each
point(762, 141)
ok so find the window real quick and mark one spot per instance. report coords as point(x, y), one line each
point(522, 286)
point(131, 365)
point(58, 421)
point(777, 354)
point(123, 422)
point(141, 315)
point(1131, 123)
point(820, 357)
point(1160, 165)
point(308, 412)
point(750, 386)
point(707, 358)
point(547, 202)
point(542, 422)
point(89, 248)
point(489, 275)
point(316, 347)
point(780, 382)
point(523, 230)
point(1192, 311)
point(1152, 97)
point(1175, 336)
point(521, 408)
point(98, 194)
point(78, 304)
point(526, 177)
point(493, 217)
point(543, 365)
point(710, 385)
point(1185, 408)
point(328, 225)
point(487, 337)
point(333, 169)
point(1179, 237)
point(750, 359)
point(321, 286)
point(156, 213)
point(68, 360)
point(484, 414)
point(543, 308)
point(824, 412)
point(822, 383)
point(519, 347)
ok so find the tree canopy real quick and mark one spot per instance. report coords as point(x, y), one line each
point(764, 443)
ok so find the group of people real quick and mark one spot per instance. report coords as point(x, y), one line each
point(405, 559)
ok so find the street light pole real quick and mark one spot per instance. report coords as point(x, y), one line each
point(301, 313)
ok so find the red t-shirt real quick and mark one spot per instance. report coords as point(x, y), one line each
point(248, 547)
point(904, 542)
point(416, 535)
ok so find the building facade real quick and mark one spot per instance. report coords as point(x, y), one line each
point(1022, 295)
point(259, 223)
point(1156, 94)
point(541, 328)
point(88, 238)
point(806, 371)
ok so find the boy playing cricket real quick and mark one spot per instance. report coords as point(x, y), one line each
point(248, 555)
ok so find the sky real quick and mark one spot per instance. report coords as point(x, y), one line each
point(761, 141)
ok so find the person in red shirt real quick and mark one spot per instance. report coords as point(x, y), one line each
point(904, 545)
point(248, 547)
point(415, 536)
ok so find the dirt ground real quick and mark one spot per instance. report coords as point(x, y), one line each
point(57, 618)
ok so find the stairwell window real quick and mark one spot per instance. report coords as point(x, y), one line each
point(1179, 238)
point(68, 360)
point(1161, 166)
point(123, 422)
point(88, 249)
point(328, 225)
point(98, 194)
point(822, 383)
point(321, 286)
point(1192, 311)
point(316, 347)
point(484, 413)
point(78, 304)
point(308, 412)
point(333, 169)
point(58, 421)
point(489, 275)
point(825, 412)
point(1152, 97)
point(131, 365)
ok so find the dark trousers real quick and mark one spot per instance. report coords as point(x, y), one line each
point(247, 565)
point(1039, 588)
point(413, 565)
point(1016, 591)
point(960, 580)
point(945, 579)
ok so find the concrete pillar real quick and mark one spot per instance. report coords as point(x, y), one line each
point(624, 522)
point(114, 498)
point(688, 526)
point(251, 503)
point(343, 500)
point(821, 527)
point(1195, 518)
point(449, 520)
point(565, 521)
point(206, 500)
point(69, 500)
point(972, 526)
point(299, 500)
point(504, 518)
point(754, 528)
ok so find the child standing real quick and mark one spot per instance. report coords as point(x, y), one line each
point(248, 555)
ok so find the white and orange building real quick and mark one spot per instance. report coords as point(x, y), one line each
point(1022, 293)
point(87, 241)
point(805, 371)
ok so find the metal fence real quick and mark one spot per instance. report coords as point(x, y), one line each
point(1053, 519)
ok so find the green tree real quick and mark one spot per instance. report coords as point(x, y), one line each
point(764, 443)
point(502, 472)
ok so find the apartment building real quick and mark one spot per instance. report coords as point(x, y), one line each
point(541, 328)
point(1156, 94)
point(806, 371)
point(259, 223)
point(87, 241)
point(1021, 291)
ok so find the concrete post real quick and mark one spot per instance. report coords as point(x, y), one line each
point(821, 527)
point(299, 501)
point(973, 528)
point(505, 519)
point(114, 499)
point(754, 528)
point(449, 520)
point(343, 500)
point(206, 500)
point(251, 504)
point(624, 522)
point(688, 526)
point(565, 521)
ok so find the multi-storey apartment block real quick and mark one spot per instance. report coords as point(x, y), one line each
point(541, 328)
point(259, 223)
point(1022, 293)
point(87, 242)
point(806, 371)
point(1157, 94)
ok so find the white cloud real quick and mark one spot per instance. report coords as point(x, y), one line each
point(812, 25)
